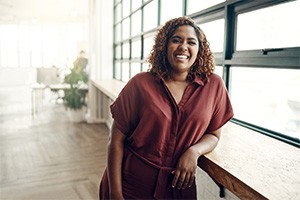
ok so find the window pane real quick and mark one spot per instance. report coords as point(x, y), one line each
point(125, 29)
point(272, 27)
point(197, 5)
point(214, 32)
point(145, 67)
point(150, 16)
point(118, 16)
point(148, 44)
point(167, 13)
point(136, 4)
point(118, 52)
point(125, 72)
point(136, 26)
point(118, 33)
point(118, 71)
point(126, 8)
point(269, 98)
point(219, 71)
point(135, 68)
point(36, 39)
point(136, 49)
point(126, 50)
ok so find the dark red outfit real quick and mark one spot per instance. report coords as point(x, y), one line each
point(158, 131)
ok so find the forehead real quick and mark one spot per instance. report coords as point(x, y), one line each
point(185, 30)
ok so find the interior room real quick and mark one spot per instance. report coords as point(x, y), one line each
point(63, 63)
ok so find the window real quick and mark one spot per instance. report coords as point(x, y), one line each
point(268, 98)
point(272, 27)
point(256, 46)
point(214, 32)
point(165, 10)
point(198, 5)
point(39, 45)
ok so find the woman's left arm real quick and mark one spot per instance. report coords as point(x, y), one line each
point(184, 174)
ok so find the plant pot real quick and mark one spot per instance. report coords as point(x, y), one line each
point(77, 115)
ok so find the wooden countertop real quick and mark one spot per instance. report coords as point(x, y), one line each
point(253, 165)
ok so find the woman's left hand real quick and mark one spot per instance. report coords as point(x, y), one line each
point(184, 174)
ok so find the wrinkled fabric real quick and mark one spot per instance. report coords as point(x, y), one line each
point(158, 131)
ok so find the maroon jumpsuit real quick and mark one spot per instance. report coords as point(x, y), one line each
point(158, 131)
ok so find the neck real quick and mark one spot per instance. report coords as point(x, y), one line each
point(178, 77)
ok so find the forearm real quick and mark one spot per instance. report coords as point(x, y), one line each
point(207, 143)
point(114, 167)
point(114, 164)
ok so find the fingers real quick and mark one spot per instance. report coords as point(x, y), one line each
point(182, 180)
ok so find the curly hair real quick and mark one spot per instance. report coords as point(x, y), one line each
point(158, 62)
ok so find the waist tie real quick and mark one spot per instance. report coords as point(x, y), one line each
point(162, 178)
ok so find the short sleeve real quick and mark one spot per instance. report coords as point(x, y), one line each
point(223, 111)
point(124, 109)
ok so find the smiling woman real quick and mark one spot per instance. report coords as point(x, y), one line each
point(155, 155)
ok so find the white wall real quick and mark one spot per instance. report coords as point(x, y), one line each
point(100, 49)
point(101, 39)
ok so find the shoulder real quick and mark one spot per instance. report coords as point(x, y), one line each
point(142, 77)
point(215, 78)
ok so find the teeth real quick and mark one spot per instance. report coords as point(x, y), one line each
point(181, 56)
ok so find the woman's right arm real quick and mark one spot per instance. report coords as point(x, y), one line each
point(114, 162)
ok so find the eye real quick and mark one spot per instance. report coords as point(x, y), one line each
point(192, 43)
point(175, 40)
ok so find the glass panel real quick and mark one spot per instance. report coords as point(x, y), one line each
point(136, 49)
point(145, 67)
point(219, 70)
point(150, 16)
point(125, 72)
point(197, 5)
point(118, 52)
point(126, 50)
point(268, 98)
point(167, 13)
point(118, 70)
point(272, 27)
point(135, 4)
point(214, 32)
point(118, 13)
point(24, 46)
point(135, 69)
point(148, 44)
point(36, 42)
point(126, 8)
point(136, 26)
point(118, 33)
point(125, 29)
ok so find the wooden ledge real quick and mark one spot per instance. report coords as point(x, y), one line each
point(110, 87)
point(249, 164)
point(254, 166)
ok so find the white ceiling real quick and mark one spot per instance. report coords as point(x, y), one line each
point(41, 11)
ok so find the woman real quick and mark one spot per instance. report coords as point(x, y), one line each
point(166, 118)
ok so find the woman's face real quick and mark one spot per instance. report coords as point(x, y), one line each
point(182, 50)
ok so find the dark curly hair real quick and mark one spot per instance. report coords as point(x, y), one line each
point(159, 65)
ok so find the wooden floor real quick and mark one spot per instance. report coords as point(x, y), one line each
point(47, 156)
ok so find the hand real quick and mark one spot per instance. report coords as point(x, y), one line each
point(116, 196)
point(184, 174)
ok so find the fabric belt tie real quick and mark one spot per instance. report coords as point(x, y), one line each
point(163, 175)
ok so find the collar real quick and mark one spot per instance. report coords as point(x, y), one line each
point(197, 80)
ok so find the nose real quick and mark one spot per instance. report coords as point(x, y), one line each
point(183, 47)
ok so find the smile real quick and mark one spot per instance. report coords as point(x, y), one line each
point(182, 56)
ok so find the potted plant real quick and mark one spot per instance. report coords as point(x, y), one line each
point(75, 94)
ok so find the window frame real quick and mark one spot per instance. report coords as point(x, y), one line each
point(280, 58)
